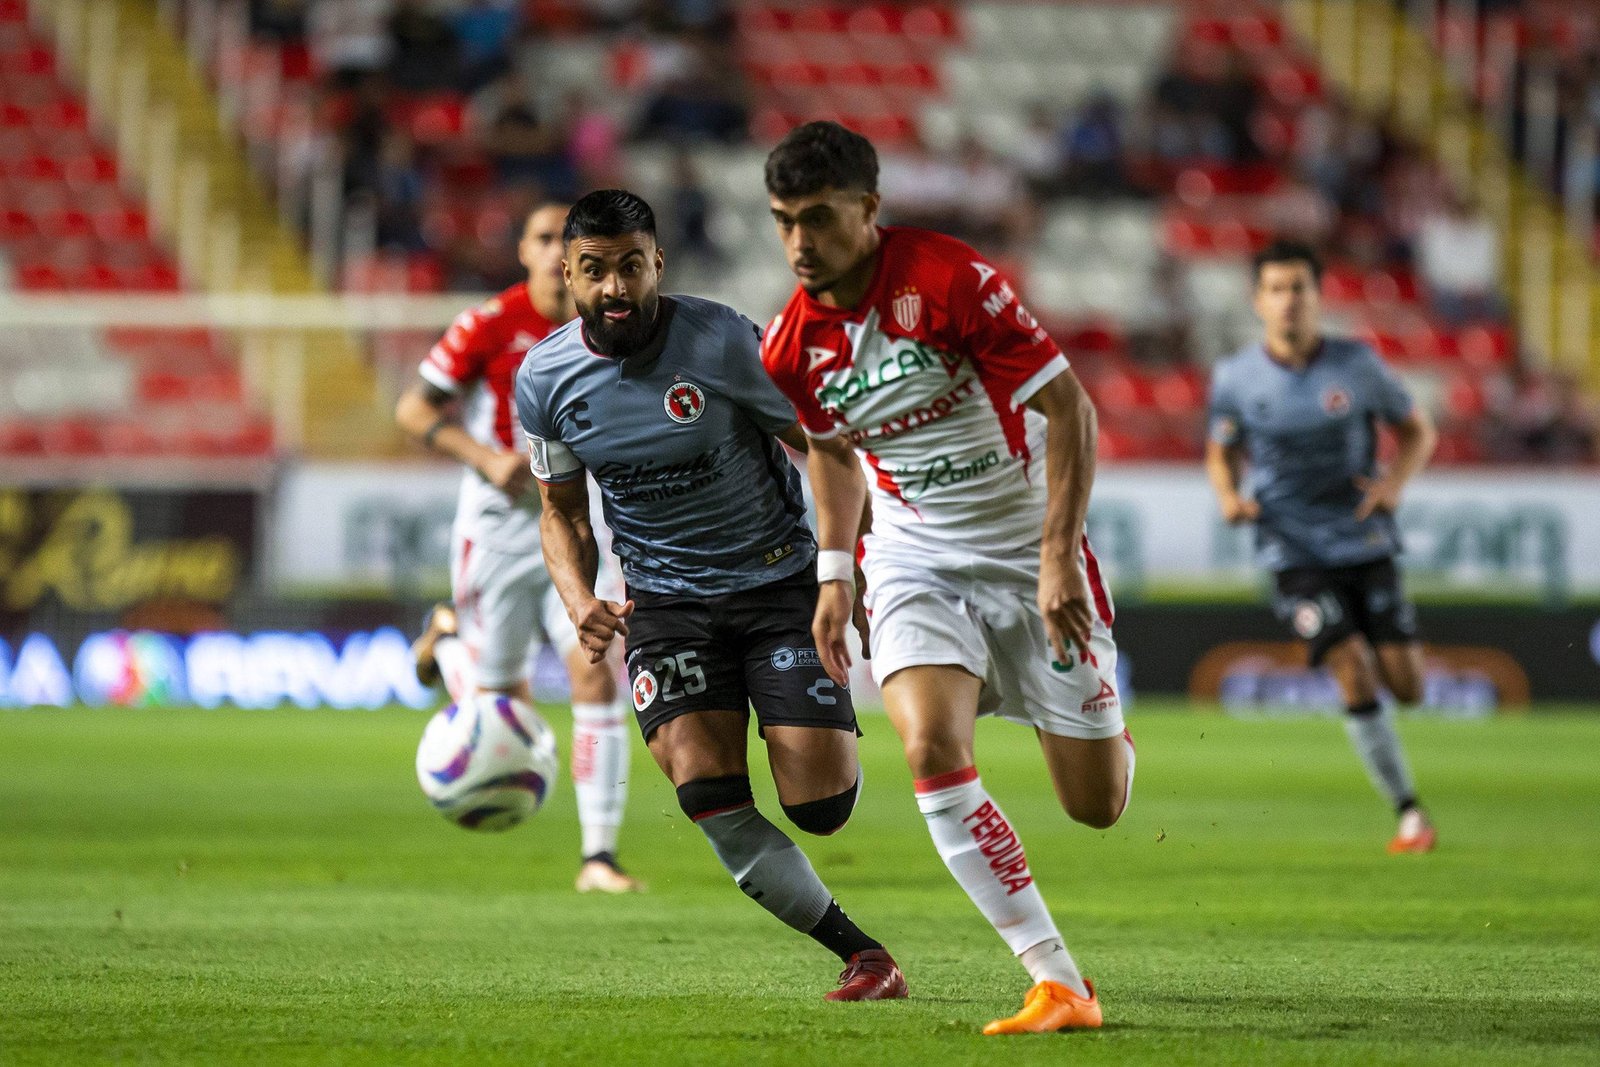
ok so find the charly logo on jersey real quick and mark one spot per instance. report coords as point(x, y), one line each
point(1335, 401)
point(645, 688)
point(684, 402)
point(907, 308)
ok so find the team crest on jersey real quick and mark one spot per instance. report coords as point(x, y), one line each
point(645, 688)
point(907, 308)
point(1335, 401)
point(684, 402)
point(1308, 619)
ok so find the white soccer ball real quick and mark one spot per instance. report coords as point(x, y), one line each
point(488, 763)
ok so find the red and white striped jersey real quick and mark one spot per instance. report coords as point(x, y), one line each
point(478, 358)
point(928, 377)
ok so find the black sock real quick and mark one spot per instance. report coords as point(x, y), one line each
point(839, 935)
point(606, 857)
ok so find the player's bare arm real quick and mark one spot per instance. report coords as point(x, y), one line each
point(425, 412)
point(1417, 438)
point(1064, 597)
point(572, 556)
point(1224, 468)
point(840, 491)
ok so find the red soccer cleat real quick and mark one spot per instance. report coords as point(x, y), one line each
point(871, 974)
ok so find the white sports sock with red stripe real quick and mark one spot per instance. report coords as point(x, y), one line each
point(456, 669)
point(600, 772)
point(983, 852)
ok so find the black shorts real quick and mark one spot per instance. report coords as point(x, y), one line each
point(1325, 605)
point(725, 653)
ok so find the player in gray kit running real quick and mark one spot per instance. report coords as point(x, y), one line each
point(663, 400)
point(1302, 409)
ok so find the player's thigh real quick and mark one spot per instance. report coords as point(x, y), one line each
point(701, 744)
point(810, 762)
point(1090, 775)
point(934, 709)
point(1354, 667)
point(500, 591)
point(1400, 665)
point(771, 628)
point(1315, 603)
point(676, 664)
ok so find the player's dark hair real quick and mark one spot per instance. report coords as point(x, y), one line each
point(608, 213)
point(818, 156)
point(1287, 250)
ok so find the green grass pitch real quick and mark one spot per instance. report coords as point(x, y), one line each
point(263, 887)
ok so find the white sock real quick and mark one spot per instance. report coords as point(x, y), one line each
point(986, 857)
point(600, 772)
point(456, 667)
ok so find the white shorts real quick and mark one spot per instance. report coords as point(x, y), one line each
point(504, 602)
point(983, 615)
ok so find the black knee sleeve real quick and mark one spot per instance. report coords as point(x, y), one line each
point(709, 796)
point(825, 816)
point(1361, 711)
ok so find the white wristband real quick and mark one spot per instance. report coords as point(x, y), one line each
point(836, 566)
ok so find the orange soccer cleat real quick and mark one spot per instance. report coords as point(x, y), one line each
point(1051, 1006)
point(1416, 834)
point(871, 974)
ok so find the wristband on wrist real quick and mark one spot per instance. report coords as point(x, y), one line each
point(836, 566)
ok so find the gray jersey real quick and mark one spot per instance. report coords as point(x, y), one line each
point(1308, 435)
point(699, 495)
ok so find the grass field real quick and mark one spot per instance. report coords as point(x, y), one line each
point(216, 887)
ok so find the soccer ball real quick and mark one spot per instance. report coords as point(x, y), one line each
point(487, 763)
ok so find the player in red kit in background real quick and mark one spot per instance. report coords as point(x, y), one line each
point(906, 347)
point(481, 642)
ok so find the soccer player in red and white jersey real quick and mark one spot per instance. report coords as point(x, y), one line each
point(906, 347)
point(481, 643)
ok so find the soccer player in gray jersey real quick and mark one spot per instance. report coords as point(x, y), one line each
point(665, 402)
point(1301, 410)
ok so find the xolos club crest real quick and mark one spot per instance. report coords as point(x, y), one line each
point(684, 402)
point(1335, 401)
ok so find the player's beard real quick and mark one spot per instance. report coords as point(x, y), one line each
point(619, 340)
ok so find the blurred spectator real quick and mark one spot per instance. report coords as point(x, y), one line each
point(688, 214)
point(1092, 150)
point(1203, 106)
point(426, 56)
point(525, 150)
point(279, 20)
point(695, 98)
point(1545, 418)
point(594, 143)
point(349, 39)
point(1458, 255)
point(484, 30)
point(1037, 154)
point(398, 185)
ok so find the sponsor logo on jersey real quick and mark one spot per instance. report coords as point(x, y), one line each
point(1335, 401)
point(787, 659)
point(943, 471)
point(1102, 701)
point(684, 402)
point(941, 408)
point(659, 481)
point(907, 308)
point(645, 690)
point(817, 356)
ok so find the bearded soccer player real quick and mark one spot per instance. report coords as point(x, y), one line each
point(663, 400)
point(1301, 410)
point(907, 347)
point(481, 642)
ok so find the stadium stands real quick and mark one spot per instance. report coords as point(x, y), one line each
point(1122, 159)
